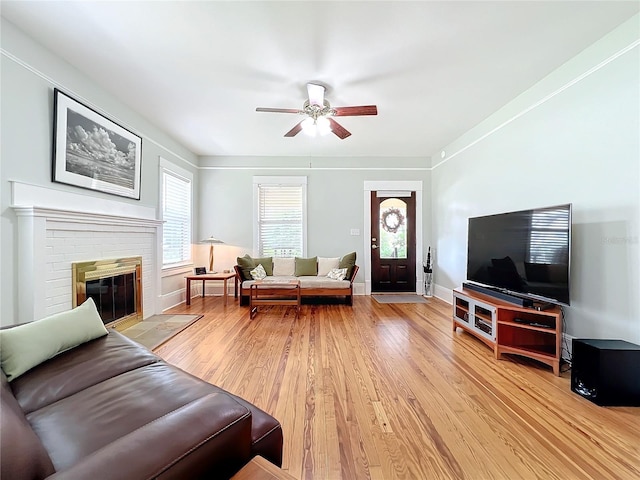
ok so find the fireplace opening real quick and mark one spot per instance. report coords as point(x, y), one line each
point(114, 296)
point(114, 286)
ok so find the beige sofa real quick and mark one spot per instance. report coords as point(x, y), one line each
point(285, 269)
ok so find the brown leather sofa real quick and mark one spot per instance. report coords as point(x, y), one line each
point(111, 409)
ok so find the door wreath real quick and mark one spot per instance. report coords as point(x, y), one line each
point(391, 220)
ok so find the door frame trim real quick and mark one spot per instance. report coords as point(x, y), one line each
point(410, 186)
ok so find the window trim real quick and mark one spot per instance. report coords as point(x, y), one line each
point(278, 180)
point(170, 168)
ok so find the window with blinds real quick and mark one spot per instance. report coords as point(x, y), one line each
point(281, 216)
point(549, 236)
point(176, 213)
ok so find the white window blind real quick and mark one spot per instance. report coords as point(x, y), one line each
point(176, 214)
point(549, 236)
point(281, 223)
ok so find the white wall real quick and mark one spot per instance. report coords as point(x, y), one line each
point(572, 138)
point(334, 196)
point(29, 74)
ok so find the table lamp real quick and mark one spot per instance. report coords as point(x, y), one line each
point(211, 241)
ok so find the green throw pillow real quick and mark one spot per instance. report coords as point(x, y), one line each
point(246, 264)
point(306, 266)
point(267, 264)
point(348, 261)
point(28, 345)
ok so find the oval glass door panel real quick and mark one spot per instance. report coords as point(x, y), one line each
point(393, 228)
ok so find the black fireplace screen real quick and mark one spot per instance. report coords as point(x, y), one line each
point(114, 296)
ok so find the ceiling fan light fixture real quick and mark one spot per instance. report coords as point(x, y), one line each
point(309, 126)
point(319, 114)
point(324, 126)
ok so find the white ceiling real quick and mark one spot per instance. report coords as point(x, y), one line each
point(198, 69)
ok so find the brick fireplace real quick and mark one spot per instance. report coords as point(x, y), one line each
point(53, 237)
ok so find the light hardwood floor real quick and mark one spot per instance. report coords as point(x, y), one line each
point(379, 391)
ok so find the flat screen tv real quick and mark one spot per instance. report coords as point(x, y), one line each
point(523, 253)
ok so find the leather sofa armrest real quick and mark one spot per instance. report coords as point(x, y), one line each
point(209, 436)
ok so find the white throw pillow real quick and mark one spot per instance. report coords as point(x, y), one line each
point(325, 265)
point(258, 273)
point(284, 266)
point(337, 273)
point(28, 345)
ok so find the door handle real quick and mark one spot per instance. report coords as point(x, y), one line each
point(374, 246)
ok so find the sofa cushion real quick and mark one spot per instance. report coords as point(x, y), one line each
point(209, 437)
point(258, 273)
point(266, 262)
point(310, 281)
point(306, 266)
point(322, 282)
point(246, 264)
point(79, 368)
point(272, 279)
point(325, 265)
point(348, 261)
point(28, 345)
point(337, 274)
point(80, 424)
point(284, 266)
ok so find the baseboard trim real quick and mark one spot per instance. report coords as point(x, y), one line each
point(172, 299)
point(443, 293)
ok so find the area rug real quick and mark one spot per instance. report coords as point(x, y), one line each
point(396, 298)
point(157, 329)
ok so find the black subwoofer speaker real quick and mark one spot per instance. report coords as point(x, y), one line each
point(606, 372)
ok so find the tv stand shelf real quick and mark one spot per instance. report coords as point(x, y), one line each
point(509, 328)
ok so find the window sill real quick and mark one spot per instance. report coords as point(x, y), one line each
point(171, 270)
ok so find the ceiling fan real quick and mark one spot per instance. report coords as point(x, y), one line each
point(319, 114)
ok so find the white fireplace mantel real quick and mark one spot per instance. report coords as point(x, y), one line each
point(51, 237)
point(56, 214)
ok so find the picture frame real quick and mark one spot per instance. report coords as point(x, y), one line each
point(90, 151)
point(200, 270)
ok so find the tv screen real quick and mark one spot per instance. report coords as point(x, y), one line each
point(525, 252)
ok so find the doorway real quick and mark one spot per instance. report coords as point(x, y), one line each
point(393, 241)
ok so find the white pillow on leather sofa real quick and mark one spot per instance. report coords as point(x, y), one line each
point(26, 346)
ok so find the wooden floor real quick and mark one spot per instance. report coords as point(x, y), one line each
point(386, 391)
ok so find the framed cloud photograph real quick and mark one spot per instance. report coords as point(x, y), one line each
point(91, 151)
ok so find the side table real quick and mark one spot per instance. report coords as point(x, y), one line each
point(224, 277)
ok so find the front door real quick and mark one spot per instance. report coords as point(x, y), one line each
point(393, 242)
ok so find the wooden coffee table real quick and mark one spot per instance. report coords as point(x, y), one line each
point(267, 292)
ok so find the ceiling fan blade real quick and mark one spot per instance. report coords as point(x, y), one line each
point(355, 111)
point(316, 94)
point(295, 130)
point(278, 110)
point(338, 129)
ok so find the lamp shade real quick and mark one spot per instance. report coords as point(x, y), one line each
point(212, 240)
